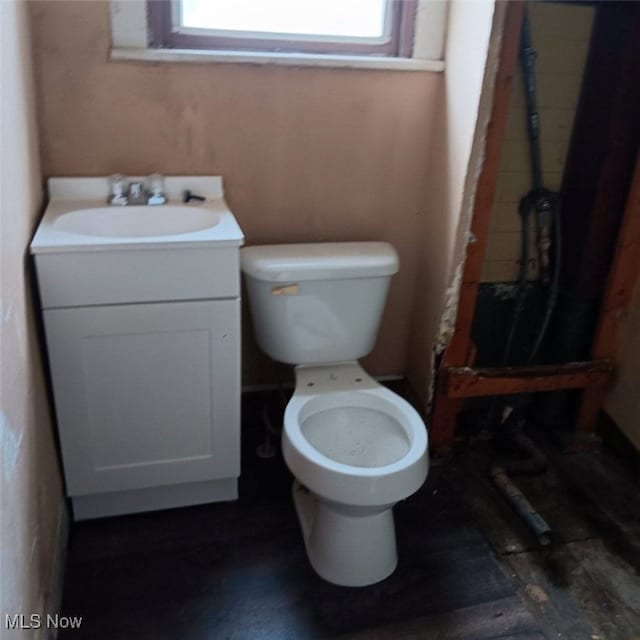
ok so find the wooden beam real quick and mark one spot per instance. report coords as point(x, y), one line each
point(457, 350)
point(623, 276)
point(622, 280)
point(466, 382)
point(445, 410)
point(454, 381)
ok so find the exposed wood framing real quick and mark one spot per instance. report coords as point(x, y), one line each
point(456, 379)
point(623, 277)
point(445, 409)
point(458, 349)
point(466, 382)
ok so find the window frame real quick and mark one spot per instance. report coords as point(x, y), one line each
point(164, 34)
point(130, 42)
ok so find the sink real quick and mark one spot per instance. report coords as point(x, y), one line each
point(137, 221)
point(78, 220)
point(89, 253)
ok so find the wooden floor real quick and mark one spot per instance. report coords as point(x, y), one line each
point(587, 584)
point(467, 570)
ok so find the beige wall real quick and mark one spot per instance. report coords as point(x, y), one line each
point(623, 401)
point(306, 154)
point(560, 34)
point(456, 161)
point(31, 494)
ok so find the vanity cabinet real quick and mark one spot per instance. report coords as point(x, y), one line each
point(141, 311)
point(147, 402)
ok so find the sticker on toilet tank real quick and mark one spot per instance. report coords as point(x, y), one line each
point(285, 290)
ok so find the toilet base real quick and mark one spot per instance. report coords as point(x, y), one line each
point(346, 545)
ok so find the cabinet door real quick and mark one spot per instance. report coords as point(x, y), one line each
point(146, 394)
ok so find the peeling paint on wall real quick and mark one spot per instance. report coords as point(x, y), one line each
point(476, 162)
point(471, 28)
point(448, 320)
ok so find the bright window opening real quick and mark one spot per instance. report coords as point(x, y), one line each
point(343, 27)
point(325, 18)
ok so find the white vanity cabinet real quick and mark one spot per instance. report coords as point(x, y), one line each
point(147, 396)
point(143, 343)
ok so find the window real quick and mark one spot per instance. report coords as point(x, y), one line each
point(405, 35)
point(361, 27)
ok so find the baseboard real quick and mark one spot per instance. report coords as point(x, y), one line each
point(184, 494)
point(54, 595)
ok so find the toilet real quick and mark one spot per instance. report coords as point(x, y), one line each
point(354, 447)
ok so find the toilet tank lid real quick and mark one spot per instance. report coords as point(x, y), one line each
point(319, 261)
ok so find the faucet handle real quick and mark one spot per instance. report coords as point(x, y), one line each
point(156, 189)
point(156, 183)
point(117, 189)
point(188, 196)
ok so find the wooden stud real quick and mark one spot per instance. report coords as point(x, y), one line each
point(443, 420)
point(623, 277)
point(454, 381)
point(465, 382)
point(457, 350)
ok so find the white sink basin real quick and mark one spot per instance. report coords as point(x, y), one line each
point(137, 222)
point(78, 219)
point(89, 253)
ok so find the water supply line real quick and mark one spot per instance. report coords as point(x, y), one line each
point(544, 205)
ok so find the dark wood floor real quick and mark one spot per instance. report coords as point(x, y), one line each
point(587, 584)
point(467, 570)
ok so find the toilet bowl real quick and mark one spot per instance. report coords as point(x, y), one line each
point(356, 449)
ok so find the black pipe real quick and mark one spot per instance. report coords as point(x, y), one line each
point(528, 57)
point(521, 290)
point(532, 519)
point(545, 204)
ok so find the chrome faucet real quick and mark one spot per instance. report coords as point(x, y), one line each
point(136, 192)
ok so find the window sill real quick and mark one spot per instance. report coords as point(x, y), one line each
point(282, 59)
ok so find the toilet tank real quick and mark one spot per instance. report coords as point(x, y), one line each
point(318, 303)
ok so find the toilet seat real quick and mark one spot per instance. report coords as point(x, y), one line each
point(351, 440)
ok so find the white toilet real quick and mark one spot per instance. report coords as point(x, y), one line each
point(355, 447)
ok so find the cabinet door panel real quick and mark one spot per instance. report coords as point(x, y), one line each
point(146, 395)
